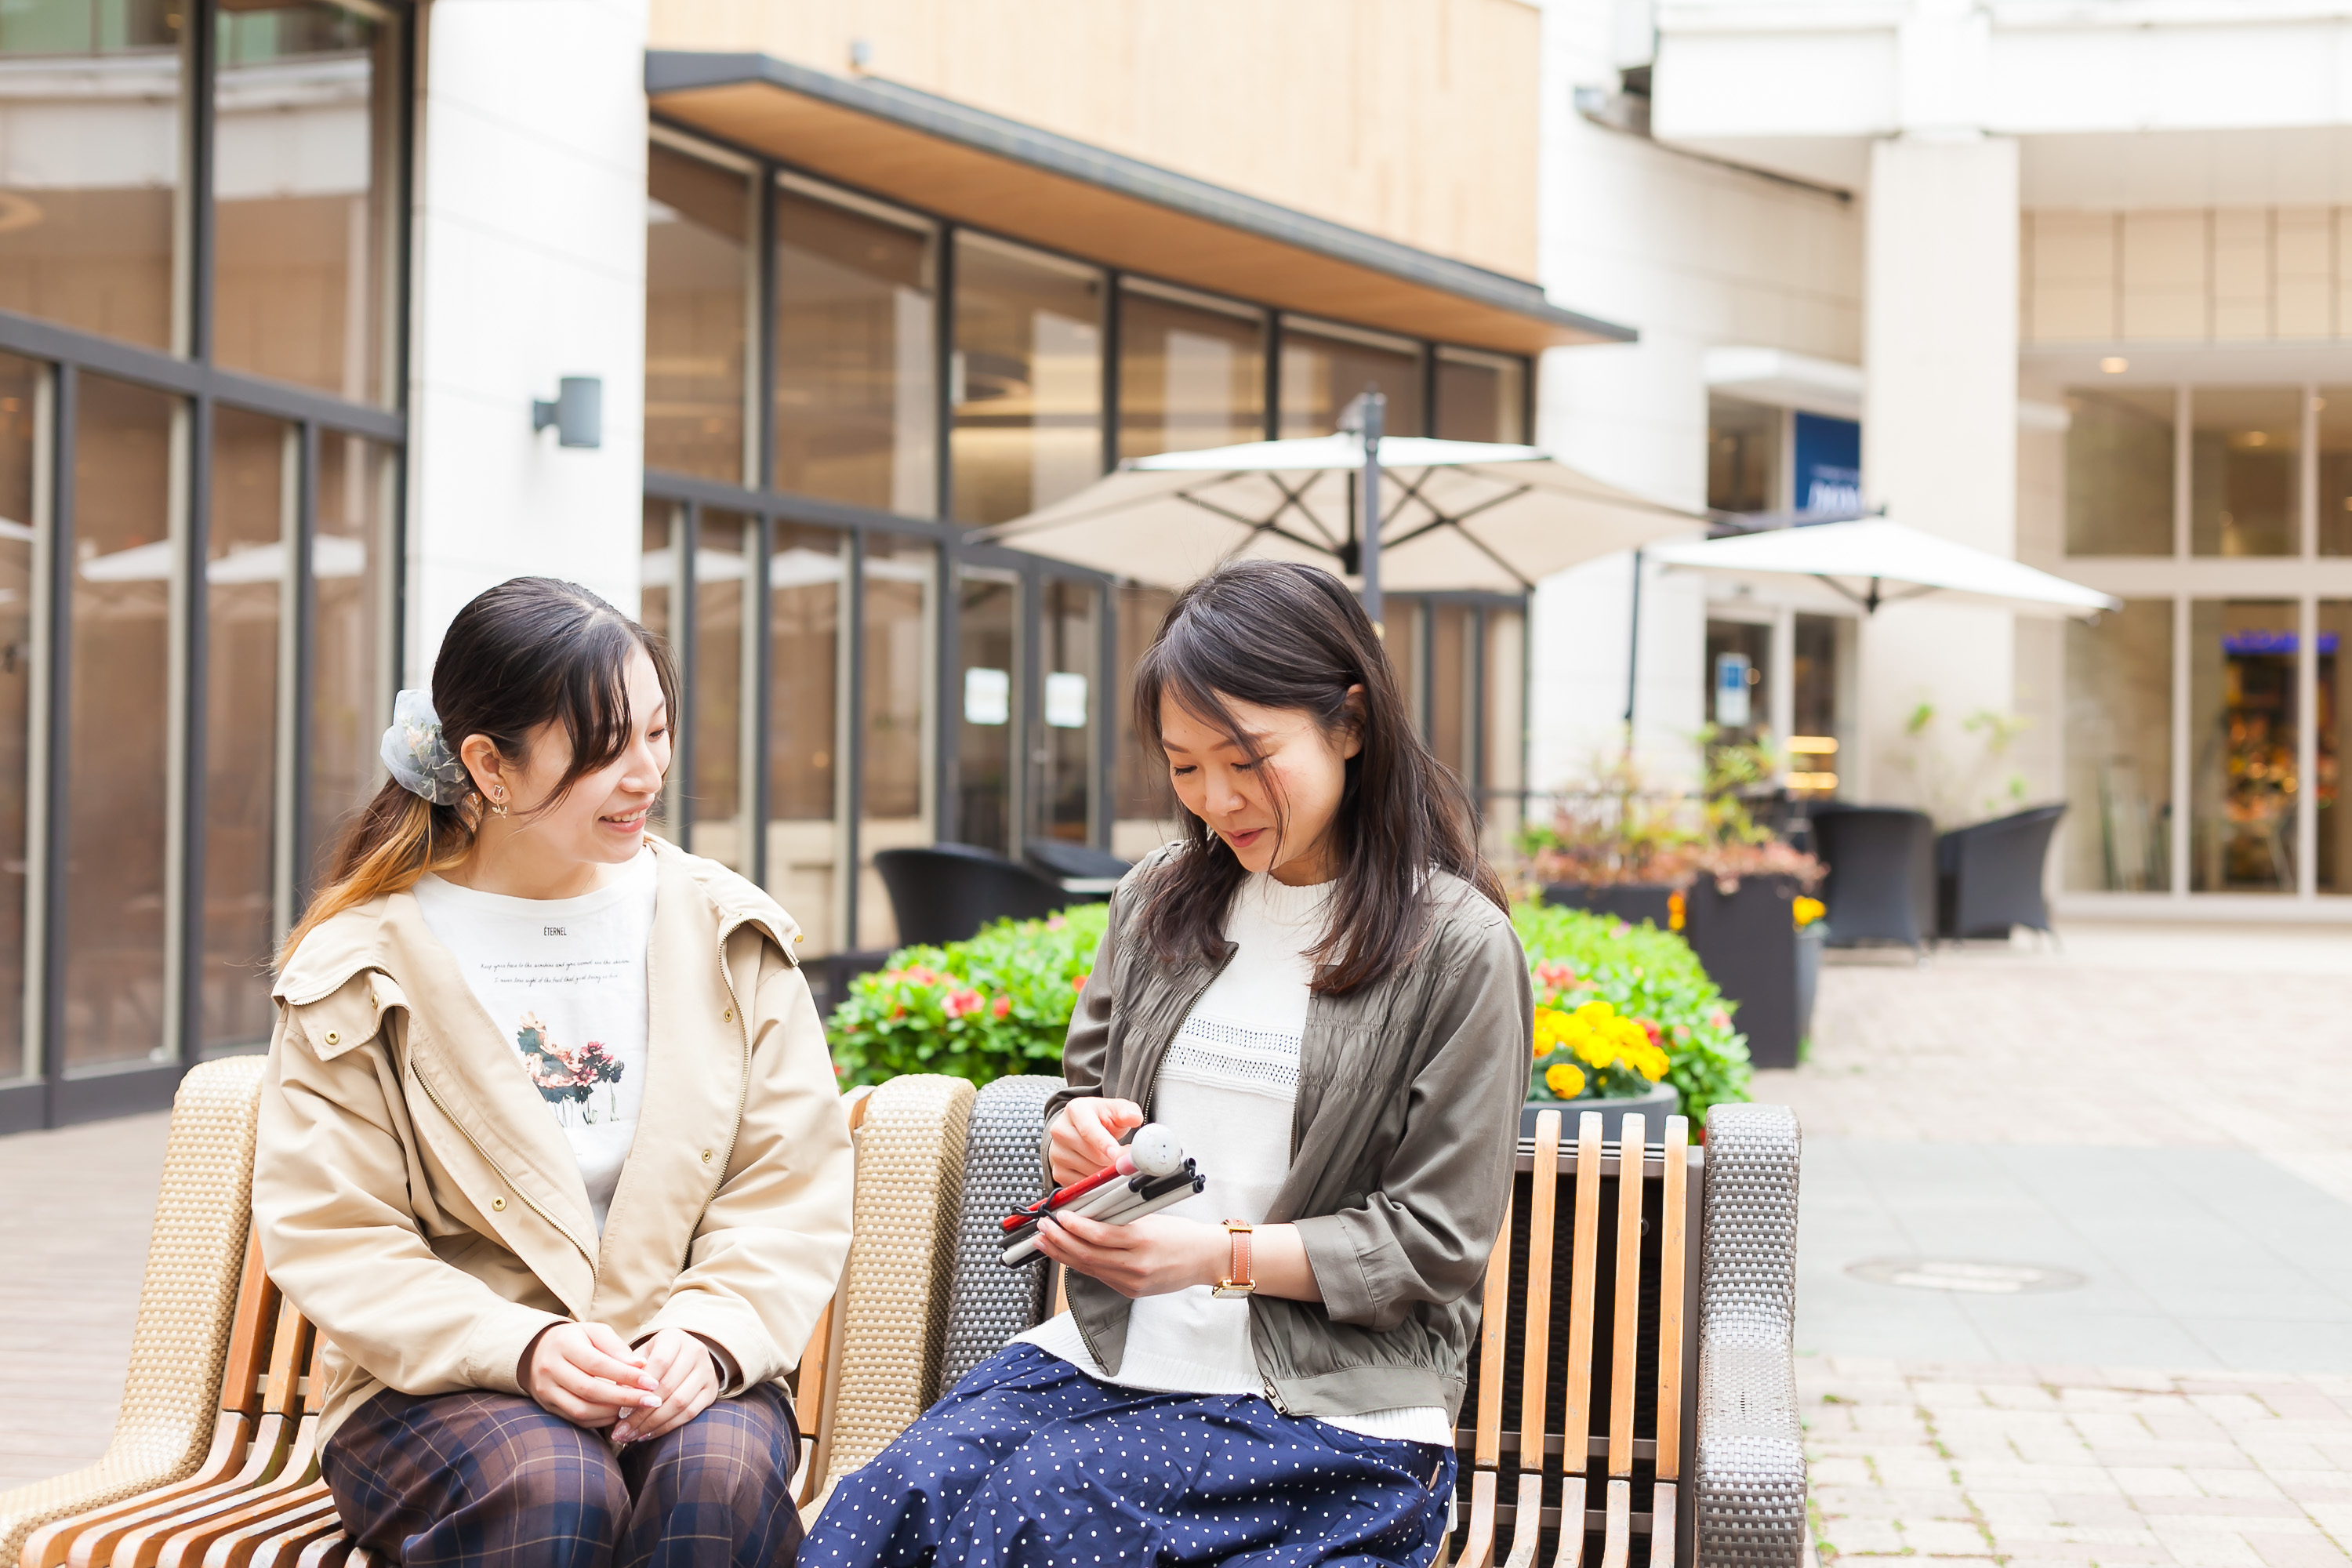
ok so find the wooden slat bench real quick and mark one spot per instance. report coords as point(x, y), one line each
point(1692, 1459)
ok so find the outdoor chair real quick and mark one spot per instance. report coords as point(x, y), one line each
point(1881, 886)
point(1083, 871)
point(947, 893)
point(1004, 1166)
point(1988, 875)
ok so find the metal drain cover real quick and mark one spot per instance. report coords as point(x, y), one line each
point(1973, 1278)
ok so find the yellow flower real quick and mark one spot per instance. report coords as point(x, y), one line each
point(1649, 1062)
point(1596, 1011)
point(1551, 1030)
point(1808, 910)
point(1564, 1081)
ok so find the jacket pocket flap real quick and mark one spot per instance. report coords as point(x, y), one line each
point(348, 1016)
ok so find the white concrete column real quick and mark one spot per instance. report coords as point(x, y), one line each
point(1938, 447)
point(528, 265)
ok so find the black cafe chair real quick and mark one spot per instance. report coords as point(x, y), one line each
point(948, 891)
point(1988, 875)
point(1881, 886)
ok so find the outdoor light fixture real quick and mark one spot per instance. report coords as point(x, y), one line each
point(577, 413)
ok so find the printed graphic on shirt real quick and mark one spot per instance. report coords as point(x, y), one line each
point(569, 1080)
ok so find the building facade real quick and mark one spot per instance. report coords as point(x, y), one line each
point(280, 286)
point(2077, 272)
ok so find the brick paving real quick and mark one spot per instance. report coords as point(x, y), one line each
point(2042, 1466)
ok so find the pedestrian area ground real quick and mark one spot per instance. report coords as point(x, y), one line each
point(2130, 1155)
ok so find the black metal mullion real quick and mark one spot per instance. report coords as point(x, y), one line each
point(1114, 308)
point(947, 822)
point(685, 542)
point(195, 655)
point(1474, 731)
point(1428, 389)
point(303, 720)
point(851, 756)
point(57, 815)
point(765, 323)
point(943, 370)
point(1106, 714)
point(201, 66)
point(759, 639)
point(1273, 369)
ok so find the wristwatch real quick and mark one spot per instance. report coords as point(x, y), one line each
point(1237, 1281)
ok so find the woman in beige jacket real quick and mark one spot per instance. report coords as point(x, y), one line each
point(551, 1148)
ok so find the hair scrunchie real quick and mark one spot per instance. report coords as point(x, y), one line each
point(418, 756)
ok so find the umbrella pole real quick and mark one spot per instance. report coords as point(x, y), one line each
point(1373, 411)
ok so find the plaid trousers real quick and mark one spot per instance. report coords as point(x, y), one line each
point(475, 1479)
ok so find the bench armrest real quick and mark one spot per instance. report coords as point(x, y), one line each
point(1750, 1471)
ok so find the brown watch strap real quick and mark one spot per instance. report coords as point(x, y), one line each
point(1238, 1264)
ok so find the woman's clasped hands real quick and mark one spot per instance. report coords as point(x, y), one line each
point(583, 1372)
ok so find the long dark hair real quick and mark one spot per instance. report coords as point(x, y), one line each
point(1279, 634)
point(530, 652)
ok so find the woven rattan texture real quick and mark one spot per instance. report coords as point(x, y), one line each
point(910, 1191)
point(1003, 1169)
point(195, 1256)
point(1750, 1473)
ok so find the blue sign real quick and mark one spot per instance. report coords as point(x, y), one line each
point(1828, 464)
point(2272, 642)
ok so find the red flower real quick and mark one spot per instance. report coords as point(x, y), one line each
point(961, 1003)
point(1080, 983)
point(1003, 1006)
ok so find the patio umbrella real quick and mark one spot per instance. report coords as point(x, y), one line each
point(1455, 514)
point(1875, 563)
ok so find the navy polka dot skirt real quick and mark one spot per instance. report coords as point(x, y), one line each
point(1029, 1460)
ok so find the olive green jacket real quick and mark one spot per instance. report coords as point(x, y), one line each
point(1401, 1150)
point(414, 1199)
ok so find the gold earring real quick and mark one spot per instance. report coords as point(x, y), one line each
point(498, 804)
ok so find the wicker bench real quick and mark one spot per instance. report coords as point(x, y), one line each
point(214, 1460)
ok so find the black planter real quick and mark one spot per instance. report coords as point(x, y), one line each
point(1746, 942)
point(1631, 902)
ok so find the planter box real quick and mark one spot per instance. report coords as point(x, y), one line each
point(1653, 1108)
point(1747, 940)
point(1631, 902)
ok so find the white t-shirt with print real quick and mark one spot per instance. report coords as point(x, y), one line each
point(564, 981)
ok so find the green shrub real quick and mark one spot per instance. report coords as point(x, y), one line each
point(1000, 1003)
point(983, 1009)
point(1644, 974)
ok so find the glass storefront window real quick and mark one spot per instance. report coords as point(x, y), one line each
point(1739, 679)
point(1480, 397)
point(120, 718)
point(23, 389)
point(1743, 455)
point(91, 162)
point(722, 554)
point(2327, 764)
point(1452, 660)
point(2242, 489)
point(1324, 367)
point(1025, 382)
point(988, 669)
point(1070, 650)
point(698, 304)
point(657, 580)
point(808, 575)
point(1192, 373)
point(306, 181)
point(351, 650)
point(899, 578)
point(1817, 693)
point(2241, 762)
point(856, 376)
point(2120, 750)
point(1144, 816)
point(2119, 470)
point(254, 463)
point(1502, 739)
point(2334, 405)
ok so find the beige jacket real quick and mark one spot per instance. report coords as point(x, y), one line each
point(416, 1199)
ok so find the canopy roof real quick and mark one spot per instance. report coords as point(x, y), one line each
point(1455, 514)
point(1875, 562)
point(1015, 180)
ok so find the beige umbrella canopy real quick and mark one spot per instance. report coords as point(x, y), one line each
point(1455, 514)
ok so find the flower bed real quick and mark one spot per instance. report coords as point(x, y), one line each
point(983, 1009)
point(1001, 1004)
point(1628, 1006)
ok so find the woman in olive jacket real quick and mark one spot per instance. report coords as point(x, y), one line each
point(550, 1149)
point(1319, 992)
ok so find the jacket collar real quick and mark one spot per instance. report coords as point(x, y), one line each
point(471, 1071)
